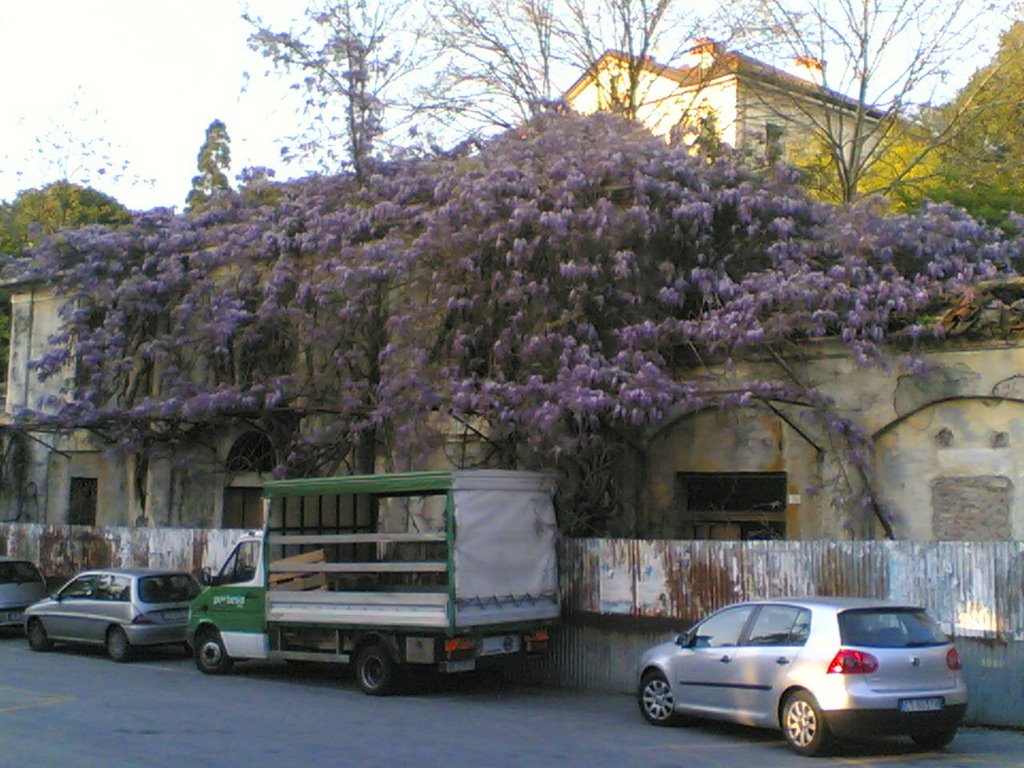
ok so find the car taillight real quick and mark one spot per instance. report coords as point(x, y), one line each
point(953, 659)
point(143, 618)
point(853, 663)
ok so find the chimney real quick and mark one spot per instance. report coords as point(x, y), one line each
point(810, 68)
point(703, 53)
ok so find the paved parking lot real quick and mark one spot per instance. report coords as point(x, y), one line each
point(77, 709)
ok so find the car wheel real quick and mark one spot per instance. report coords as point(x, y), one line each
point(210, 654)
point(376, 671)
point(934, 738)
point(655, 700)
point(118, 647)
point(804, 726)
point(37, 638)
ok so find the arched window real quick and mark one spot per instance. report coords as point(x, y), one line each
point(252, 452)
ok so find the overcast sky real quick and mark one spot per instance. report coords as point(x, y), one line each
point(135, 81)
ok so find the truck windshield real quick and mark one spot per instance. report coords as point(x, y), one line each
point(241, 565)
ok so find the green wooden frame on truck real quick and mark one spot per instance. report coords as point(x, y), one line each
point(452, 568)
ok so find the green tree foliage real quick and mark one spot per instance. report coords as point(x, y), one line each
point(37, 213)
point(887, 58)
point(213, 162)
point(982, 167)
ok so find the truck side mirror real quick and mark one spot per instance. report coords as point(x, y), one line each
point(206, 577)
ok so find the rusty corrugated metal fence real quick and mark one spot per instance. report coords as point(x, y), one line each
point(621, 595)
point(63, 550)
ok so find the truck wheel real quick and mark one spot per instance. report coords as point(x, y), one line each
point(376, 671)
point(118, 647)
point(210, 654)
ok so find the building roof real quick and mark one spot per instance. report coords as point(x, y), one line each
point(726, 63)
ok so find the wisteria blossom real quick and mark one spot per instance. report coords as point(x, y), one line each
point(547, 298)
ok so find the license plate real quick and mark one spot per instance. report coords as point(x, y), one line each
point(468, 665)
point(179, 615)
point(12, 616)
point(922, 705)
point(492, 646)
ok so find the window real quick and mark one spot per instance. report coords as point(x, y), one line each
point(774, 148)
point(82, 495)
point(82, 587)
point(113, 587)
point(740, 505)
point(168, 588)
point(252, 452)
point(19, 572)
point(889, 628)
point(723, 629)
point(780, 625)
point(241, 565)
point(243, 507)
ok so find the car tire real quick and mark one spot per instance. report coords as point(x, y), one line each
point(804, 726)
point(934, 738)
point(118, 647)
point(655, 700)
point(210, 655)
point(38, 640)
point(376, 671)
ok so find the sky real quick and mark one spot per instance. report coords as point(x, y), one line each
point(136, 82)
point(128, 87)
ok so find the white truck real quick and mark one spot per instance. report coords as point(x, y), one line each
point(450, 569)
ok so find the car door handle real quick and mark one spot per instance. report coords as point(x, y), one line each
point(782, 660)
point(725, 659)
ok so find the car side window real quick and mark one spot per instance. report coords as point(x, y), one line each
point(113, 587)
point(723, 629)
point(82, 587)
point(780, 625)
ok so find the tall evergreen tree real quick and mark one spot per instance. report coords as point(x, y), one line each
point(213, 162)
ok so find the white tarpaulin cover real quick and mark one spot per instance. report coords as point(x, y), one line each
point(505, 534)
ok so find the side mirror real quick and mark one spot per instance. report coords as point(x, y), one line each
point(206, 577)
point(684, 640)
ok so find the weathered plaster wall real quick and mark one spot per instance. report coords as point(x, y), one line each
point(954, 429)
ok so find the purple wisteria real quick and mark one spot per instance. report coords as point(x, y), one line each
point(553, 294)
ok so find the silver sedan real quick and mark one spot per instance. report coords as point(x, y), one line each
point(815, 668)
point(119, 609)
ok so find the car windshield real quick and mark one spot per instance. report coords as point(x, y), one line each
point(18, 573)
point(168, 588)
point(889, 628)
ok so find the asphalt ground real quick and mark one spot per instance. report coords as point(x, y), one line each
point(74, 708)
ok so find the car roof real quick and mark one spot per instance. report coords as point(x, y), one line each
point(837, 603)
point(135, 572)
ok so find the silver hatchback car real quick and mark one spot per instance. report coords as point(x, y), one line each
point(815, 668)
point(21, 584)
point(119, 609)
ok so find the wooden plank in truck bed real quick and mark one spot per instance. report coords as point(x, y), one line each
point(285, 575)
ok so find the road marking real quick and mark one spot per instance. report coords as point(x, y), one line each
point(157, 667)
point(44, 699)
